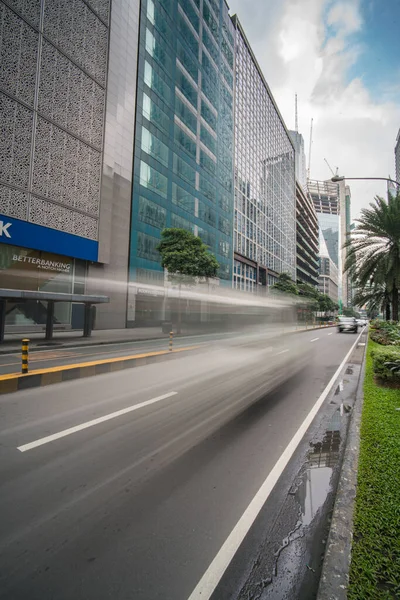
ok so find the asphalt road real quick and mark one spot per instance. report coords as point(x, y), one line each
point(138, 504)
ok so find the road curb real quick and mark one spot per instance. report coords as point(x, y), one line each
point(336, 565)
point(15, 382)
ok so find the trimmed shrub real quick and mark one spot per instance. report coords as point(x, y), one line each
point(383, 360)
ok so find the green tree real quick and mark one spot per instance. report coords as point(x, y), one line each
point(186, 258)
point(376, 298)
point(373, 248)
point(286, 284)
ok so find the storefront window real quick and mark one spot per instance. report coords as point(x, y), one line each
point(24, 269)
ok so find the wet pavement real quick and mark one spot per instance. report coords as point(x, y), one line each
point(289, 558)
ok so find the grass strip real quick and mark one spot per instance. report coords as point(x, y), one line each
point(375, 564)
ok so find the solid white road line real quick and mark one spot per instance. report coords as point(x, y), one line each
point(207, 584)
point(118, 413)
point(282, 352)
point(314, 340)
point(330, 333)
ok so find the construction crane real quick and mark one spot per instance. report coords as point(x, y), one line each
point(331, 170)
point(309, 152)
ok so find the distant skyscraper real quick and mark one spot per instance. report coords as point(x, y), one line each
point(325, 196)
point(328, 279)
point(332, 203)
point(265, 196)
point(300, 158)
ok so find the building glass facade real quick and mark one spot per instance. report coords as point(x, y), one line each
point(183, 166)
point(265, 199)
point(306, 238)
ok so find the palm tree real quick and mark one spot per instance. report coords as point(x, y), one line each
point(373, 248)
point(376, 298)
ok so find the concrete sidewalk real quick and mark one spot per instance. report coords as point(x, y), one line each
point(12, 342)
point(65, 339)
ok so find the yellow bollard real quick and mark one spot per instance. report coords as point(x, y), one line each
point(25, 353)
point(171, 339)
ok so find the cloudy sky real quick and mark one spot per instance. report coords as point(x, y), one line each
point(342, 58)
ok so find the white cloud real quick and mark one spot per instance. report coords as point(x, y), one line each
point(345, 16)
point(307, 47)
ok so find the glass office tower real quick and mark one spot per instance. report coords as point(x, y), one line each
point(183, 167)
point(265, 196)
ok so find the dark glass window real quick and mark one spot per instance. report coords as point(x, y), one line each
point(155, 114)
point(208, 115)
point(207, 214)
point(187, 61)
point(155, 147)
point(185, 142)
point(208, 189)
point(185, 114)
point(190, 12)
point(152, 213)
point(224, 225)
point(210, 20)
point(188, 35)
point(207, 163)
point(146, 247)
point(186, 87)
point(182, 198)
point(208, 139)
point(185, 171)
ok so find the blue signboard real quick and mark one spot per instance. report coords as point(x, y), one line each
point(36, 237)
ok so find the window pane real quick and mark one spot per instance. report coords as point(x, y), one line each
point(208, 115)
point(146, 247)
point(210, 45)
point(153, 180)
point(187, 61)
point(225, 203)
point(207, 214)
point(190, 12)
point(181, 223)
point(152, 213)
point(185, 114)
point(207, 188)
point(156, 83)
point(155, 114)
point(207, 163)
point(188, 35)
point(182, 198)
point(155, 147)
point(207, 237)
point(208, 139)
point(185, 142)
point(186, 87)
point(156, 48)
point(224, 225)
point(210, 20)
point(185, 171)
point(227, 52)
point(224, 248)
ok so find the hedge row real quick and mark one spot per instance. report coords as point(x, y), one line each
point(386, 362)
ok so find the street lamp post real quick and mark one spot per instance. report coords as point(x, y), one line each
point(337, 178)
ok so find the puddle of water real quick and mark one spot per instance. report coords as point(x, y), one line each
point(315, 483)
point(310, 491)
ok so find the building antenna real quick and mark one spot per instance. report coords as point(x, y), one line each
point(296, 122)
point(309, 152)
